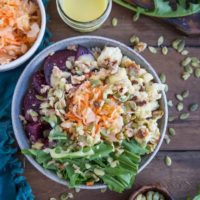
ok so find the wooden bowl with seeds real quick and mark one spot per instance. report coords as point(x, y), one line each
point(151, 192)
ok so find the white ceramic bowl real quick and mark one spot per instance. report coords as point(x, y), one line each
point(22, 59)
point(37, 63)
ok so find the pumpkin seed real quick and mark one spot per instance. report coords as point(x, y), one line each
point(114, 21)
point(167, 139)
point(181, 46)
point(195, 59)
point(197, 72)
point(103, 190)
point(152, 49)
point(160, 40)
point(170, 103)
point(195, 62)
point(77, 190)
point(52, 198)
point(162, 78)
point(168, 161)
point(164, 50)
point(134, 40)
point(64, 196)
point(171, 118)
point(193, 107)
point(179, 106)
point(184, 116)
point(185, 76)
point(179, 97)
point(99, 172)
point(175, 43)
point(185, 93)
point(166, 89)
point(188, 69)
point(186, 61)
point(136, 16)
point(184, 52)
point(172, 132)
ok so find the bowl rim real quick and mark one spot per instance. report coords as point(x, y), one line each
point(16, 63)
point(70, 40)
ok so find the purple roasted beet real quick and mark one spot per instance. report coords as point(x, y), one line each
point(58, 59)
point(30, 102)
point(38, 81)
point(83, 51)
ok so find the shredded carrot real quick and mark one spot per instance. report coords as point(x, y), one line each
point(19, 27)
point(90, 183)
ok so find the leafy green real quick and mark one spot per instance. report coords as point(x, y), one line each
point(78, 166)
point(163, 9)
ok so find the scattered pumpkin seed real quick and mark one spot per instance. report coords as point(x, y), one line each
point(164, 50)
point(160, 40)
point(168, 161)
point(184, 52)
point(195, 59)
point(114, 21)
point(197, 72)
point(134, 40)
point(179, 97)
point(186, 61)
point(175, 43)
point(136, 16)
point(103, 190)
point(166, 88)
point(179, 106)
point(188, 69)
point(170, 103)
point(52, 198)
point(171, 118)
point(185, 93)
point(172, 131)
point(162, 78)
point(181, 46)
point(185, 76)
point(184, 116)
point(193, 107)
point(64, 196)
point(152, 49)
point(167, 139)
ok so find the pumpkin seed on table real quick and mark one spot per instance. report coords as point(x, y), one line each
point(186, 61)
point(184, 116)
point(134, 40)
point(185, 76)
point(184, 52)
point(188, 69)
point(181, 46)
point(52, 198)
point(175, 43)
point(170, 103)
point(168, 161)
point(171, 118)
point(179, 97)
point(172, 131)
point(185, 93)
point(160, 40)
point(166, 89)
point(167, 139)
point(164, 50)
point(179, 106)
point(197, 72)
point(152, 49)
point(114, 21)
point(162, 78)
point(193, 107)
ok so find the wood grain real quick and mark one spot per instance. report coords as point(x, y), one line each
point(180, 179)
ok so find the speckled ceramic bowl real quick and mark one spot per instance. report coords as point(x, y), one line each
point(36, 63)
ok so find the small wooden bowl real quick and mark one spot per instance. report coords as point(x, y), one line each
point(155, 188)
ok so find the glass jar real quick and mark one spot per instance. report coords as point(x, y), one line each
point(84, 26)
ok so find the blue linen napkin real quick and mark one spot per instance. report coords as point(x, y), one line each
point(13, 185)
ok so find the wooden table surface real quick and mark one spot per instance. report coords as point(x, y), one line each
point(183, 177)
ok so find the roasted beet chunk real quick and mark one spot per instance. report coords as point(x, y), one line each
point(30, 102)
point(38, 81)
point(81, 51)
point(35, 130)
point(57, 59)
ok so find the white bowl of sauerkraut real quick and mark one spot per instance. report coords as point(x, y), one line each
point(22, 27)
point(89, 112)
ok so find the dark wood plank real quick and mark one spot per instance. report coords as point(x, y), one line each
point(181, 179)
point(148, 29)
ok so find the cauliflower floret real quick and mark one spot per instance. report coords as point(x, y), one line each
point(110, 58)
